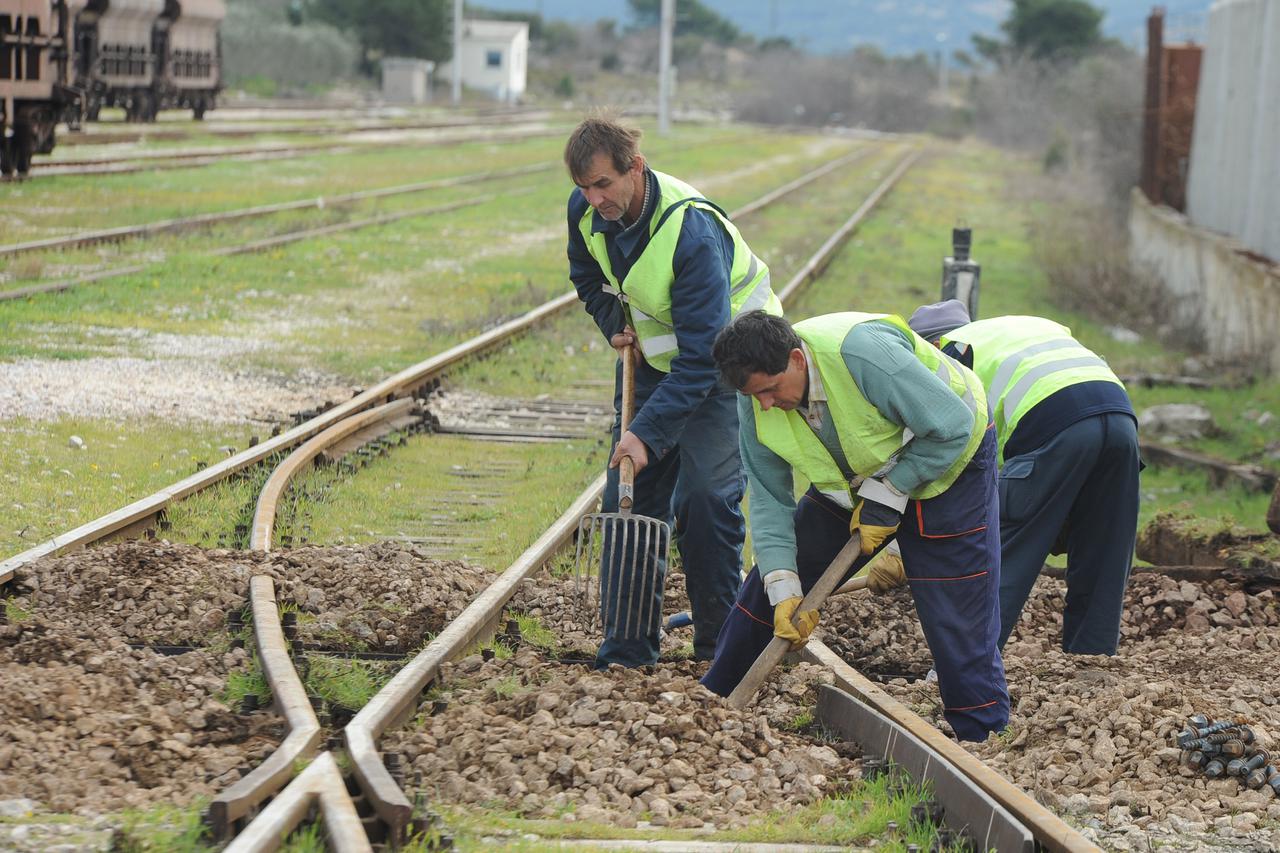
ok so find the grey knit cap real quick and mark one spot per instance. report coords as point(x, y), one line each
point(933, 321)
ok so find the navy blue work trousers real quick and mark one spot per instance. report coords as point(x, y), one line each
point(1080, 487)
point(697, 488)
point(951, 555)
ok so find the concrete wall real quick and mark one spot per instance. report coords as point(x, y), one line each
point(1233, 185)
point(1214, 284)
point(510, 41)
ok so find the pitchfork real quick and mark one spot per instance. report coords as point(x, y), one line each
point(627, 553)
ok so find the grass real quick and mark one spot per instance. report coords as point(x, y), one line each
point(242, 683)
point(347, 682)
point(162, 829)
point(860, 815)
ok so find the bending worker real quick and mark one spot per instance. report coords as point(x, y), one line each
point(661, 267)
point(887, 429)
point(1069, 464)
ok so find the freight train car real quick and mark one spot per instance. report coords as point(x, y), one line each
point(34, 80)
point(190, 55)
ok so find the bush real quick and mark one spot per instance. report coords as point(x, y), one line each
point(260, 47)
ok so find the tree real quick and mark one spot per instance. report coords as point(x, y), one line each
point(1053, 29)
point(692, 19)
point(417, 28)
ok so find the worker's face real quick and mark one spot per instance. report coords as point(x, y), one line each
point(610, 192)
point(784, 390)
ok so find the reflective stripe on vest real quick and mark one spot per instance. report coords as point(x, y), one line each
point(871, 443)
point(645, 293)
point(1022, 360)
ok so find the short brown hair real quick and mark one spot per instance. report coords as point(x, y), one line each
point(601, 133)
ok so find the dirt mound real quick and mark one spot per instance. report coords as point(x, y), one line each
point(618, 746)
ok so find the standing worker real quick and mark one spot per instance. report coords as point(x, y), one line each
point(662, 268)
point(1069, 464)
point(886, 428)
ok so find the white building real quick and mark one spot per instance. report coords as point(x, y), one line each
point(495, 58)
point(406, 80)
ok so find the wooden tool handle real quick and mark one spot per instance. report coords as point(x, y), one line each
point(778, 647)
point(627, 468)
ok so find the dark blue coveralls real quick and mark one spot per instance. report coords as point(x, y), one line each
point(1070, 482)
point(951, 555)
point(687, 420)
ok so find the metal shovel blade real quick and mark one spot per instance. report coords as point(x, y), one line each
point(619, 568)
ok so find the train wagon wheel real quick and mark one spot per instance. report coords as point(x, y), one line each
point(23, 145)
point(199, 109)
point(6, 156)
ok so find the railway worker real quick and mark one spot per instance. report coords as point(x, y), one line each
point(885, 428)
point(1068, 451)
point(661, 267)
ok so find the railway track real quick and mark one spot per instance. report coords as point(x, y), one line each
point(157, 161)
point(1006, 817)
point(160, 133)
point(203, 221)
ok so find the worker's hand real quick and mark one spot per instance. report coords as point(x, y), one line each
point(886, 571)
point(805, 621)
point(875, 523)
point(630, 445)
point(626, 338)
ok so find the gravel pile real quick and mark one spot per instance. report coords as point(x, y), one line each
point(618, 747)
point(1093, 737)
point(92, 725)
point(385, 597)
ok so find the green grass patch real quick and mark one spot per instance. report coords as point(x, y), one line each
point(162, 829)
point(242, 683)
point(347, 682)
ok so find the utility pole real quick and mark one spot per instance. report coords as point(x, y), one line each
point(456, 65)
point(665, 29)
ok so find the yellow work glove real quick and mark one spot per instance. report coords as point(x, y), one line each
point(875, 523)
point(886, 572)
point(806, 620)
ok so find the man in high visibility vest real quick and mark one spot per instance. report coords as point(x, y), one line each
point(1068, 451)
point(662, 268)
point(894, 438)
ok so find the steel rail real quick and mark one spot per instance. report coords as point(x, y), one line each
point(290, 699)
point(112, 137)
point(399, 384)
point(320, 782)
point(1049, 829)
point(264, 515)
point(204, 220)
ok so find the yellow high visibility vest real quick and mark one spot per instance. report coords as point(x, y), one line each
point(1022, 360)
point(871, 443)
point(646, 290)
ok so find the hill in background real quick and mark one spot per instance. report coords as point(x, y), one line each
point(825, 26)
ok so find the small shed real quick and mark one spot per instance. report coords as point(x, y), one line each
point(495, 57)
point(406, 80)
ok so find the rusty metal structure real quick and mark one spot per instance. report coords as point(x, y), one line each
point(35, 73)
point(1173, 78)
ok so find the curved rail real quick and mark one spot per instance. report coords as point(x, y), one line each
point(322, 781)
point(290, 699)
point(264, 516)
point(400, 384)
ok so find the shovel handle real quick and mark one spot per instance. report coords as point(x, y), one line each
point(627, 468)
point(778, 647)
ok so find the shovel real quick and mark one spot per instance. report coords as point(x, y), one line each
point(778, 647)
point(626, 553)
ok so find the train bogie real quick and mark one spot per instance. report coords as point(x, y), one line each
point(34, 95)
